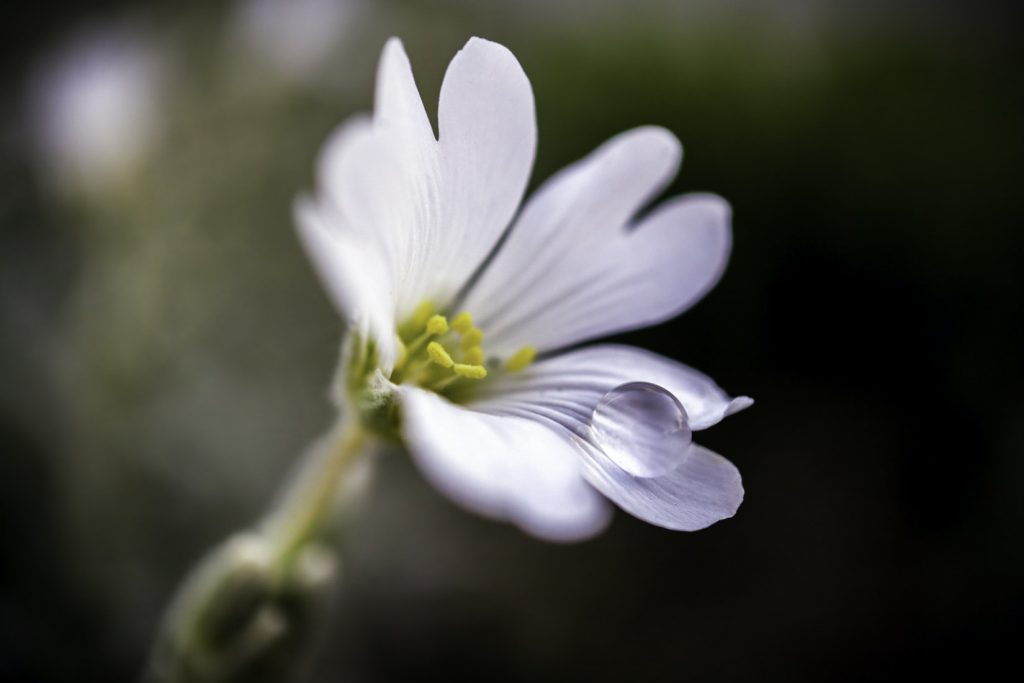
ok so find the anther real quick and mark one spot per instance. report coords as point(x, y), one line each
point(473, 356)
point(438, 354)
point(463, 322)
point(437, 324)
point(471, 337)
point(520, 359)
point(470, 371)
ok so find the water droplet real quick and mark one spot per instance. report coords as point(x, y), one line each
point(642, 428)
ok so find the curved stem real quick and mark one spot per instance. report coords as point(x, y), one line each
point(302, 509)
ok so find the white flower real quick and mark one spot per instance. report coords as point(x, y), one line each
point(97, 108)
point(401, 234)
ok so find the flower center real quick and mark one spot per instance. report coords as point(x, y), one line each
point(442, 355)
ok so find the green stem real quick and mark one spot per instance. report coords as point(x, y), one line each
point(302, 510)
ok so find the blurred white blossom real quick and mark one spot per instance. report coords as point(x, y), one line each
point(96, 108)
point(293, 39)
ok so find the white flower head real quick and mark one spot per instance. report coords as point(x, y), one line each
point(456, 335)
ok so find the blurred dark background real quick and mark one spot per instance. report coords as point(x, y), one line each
point(165, 350)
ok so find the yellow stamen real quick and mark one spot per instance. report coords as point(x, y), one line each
point(470, 371)
point(473, 356)
point(463, 322)
point(471, 337)
point(425, 341)
point(437, 324)
point(438, 354)
point(520, 359)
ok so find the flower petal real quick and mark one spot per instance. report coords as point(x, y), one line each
point(398, 107)
point(507, 468)
point(563, 391)
point(382, 177)
point(566, 388)
point(573, 269)
point(488, 138)
point(352, 275)
point(704, 489)
point(435, 209)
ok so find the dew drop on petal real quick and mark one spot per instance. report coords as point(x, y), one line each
point(642, 428)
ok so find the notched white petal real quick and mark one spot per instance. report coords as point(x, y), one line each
point(574, 266)
point(487, 139)
point(433, 207)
